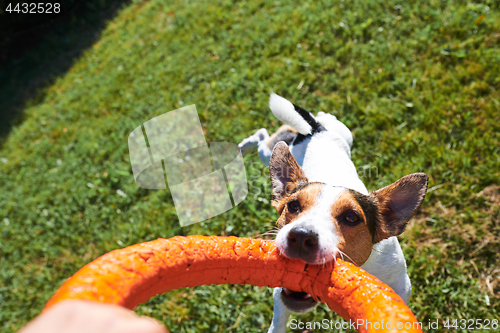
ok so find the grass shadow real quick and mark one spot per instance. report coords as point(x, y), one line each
point(32, 59)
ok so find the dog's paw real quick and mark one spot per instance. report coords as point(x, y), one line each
point(253, 140)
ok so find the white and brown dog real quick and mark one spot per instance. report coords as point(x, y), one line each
point(325, 209)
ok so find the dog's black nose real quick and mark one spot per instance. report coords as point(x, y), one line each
point(303, 240)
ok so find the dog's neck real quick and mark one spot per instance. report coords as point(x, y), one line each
point(326, 157)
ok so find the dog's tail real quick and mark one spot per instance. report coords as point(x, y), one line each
point(293, 116)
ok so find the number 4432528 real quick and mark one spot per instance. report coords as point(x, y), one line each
point(472, 324)
point(34, 8)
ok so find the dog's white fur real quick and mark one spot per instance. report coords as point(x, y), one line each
point(326, 157)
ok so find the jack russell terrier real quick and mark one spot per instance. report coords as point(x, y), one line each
point(325, 209)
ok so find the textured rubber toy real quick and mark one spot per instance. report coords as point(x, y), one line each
point(132, 275)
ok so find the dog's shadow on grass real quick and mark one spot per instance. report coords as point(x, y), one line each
point(32, 59)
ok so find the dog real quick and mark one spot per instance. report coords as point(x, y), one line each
point(325, 209)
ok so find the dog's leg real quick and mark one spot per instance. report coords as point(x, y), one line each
point(259, 139)
point(281, 314)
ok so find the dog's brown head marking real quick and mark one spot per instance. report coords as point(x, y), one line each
point(298, 203)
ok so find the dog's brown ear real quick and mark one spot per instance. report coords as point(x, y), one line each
point(397, 203)
point(286, 174)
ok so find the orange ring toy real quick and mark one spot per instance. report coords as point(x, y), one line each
point(130, 276)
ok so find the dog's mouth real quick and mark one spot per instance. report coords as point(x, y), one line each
point(299, 302)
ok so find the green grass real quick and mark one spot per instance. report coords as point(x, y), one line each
point(418, 84)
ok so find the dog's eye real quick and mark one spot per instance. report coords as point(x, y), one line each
point(352, 218)
point(294, 206)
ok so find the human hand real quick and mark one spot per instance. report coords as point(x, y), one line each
point(74, 316)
